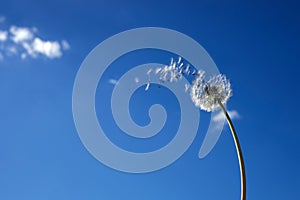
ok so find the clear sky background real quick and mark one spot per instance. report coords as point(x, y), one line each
point(255, 43)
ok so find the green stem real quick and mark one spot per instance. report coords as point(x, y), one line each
point(239, 153)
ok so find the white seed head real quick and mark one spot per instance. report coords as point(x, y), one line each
point(208, 94)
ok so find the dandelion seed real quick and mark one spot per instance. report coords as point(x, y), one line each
point(180, 65)
point(148, 83)
point(179, 60)
point(187, 69)
point(149, 71)
point(187, 87)
point(158, 70)
point(171, 72)
point(147, 86)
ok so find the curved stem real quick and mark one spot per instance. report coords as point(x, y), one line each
point(239, 153)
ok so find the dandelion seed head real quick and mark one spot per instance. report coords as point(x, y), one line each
point(208, 94)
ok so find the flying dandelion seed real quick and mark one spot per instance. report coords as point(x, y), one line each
point(179, 60)
point(186, 87)
point(172, 72)
point(136, 80)
point(148, 82)
point(187, 69)
point(149, 71)
point(147, 86)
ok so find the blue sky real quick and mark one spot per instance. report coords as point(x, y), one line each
point(255, 43)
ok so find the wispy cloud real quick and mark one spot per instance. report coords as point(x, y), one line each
point(2, 19)
point(220, 116)
point(112, 81)
point(3, 35)
point(25, 42)
point(65, 45)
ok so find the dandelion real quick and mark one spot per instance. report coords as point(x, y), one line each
point(212, 95)
point(208, 95)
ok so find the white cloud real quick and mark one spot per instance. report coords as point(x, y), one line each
point(25, 43)
point(51, 49)
point(12, 50)
point(23, 56)
point(220, 116)
point(3, 35)
point(65, 45)
point(113, 81)
point(29, 50)
point(20, 34)
point(234, 114)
